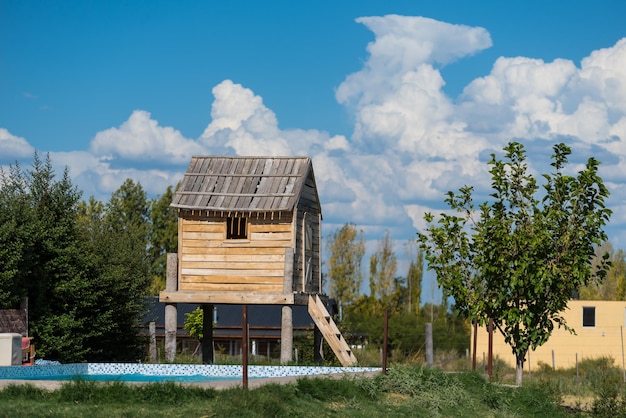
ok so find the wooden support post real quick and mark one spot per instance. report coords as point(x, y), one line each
point(286, 328)
point(171, 312)
point(428, 328)
point(153, 346)
point(286, 335)
point(385, 336)
point(208, 354)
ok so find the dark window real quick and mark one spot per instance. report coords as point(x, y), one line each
point(589, 316)
point(236, 228)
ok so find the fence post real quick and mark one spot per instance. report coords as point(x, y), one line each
point(429, 344)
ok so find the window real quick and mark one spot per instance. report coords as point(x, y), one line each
point(236, 228)
point(589, 316)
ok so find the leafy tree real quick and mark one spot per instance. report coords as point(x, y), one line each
point(414, 283)
point(163, 238)
point(14, 236)
point(383, 268)
point(519, 258)
point(46, 263)
point(344, 265)
point(83, 269)
point(194, 323)
point(124, 268)
point(614, 286)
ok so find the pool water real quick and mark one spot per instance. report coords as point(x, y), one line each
point(188, 373)
point(135, 377)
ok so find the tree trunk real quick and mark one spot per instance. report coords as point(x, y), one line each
point(519, 369)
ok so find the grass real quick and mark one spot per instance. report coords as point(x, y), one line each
point(403, 391)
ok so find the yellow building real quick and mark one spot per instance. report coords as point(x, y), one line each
point(599, 327)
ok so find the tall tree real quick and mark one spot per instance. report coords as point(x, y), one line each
point(614, 286)
point(14, 236)
point(519, 258)
point(383, 268)
point(74, 265)
point(347, 248)
point(163, 238)
point(125, 268)
point(414, 283)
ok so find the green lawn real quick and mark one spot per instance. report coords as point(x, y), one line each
point(404, 391)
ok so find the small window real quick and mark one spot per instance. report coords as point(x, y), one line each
point(589, 316)
point(236, 228)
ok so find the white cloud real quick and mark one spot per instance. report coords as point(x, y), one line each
point(13, 147)
point(411, 142)
point(141, 138)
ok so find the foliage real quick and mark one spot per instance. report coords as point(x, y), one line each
point(346, 248)
point(614, 286)
point(383, 267)
point(406, 331)
point(518, 258)
point(80, 268)
point(194, 323)
point(163, 238)
point(414, 283)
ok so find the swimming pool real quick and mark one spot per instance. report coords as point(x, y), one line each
point(188, 373)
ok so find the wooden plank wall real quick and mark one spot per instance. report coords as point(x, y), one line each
point(308, 204)
point(210, 262)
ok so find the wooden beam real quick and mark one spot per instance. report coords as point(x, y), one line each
point(251, 298)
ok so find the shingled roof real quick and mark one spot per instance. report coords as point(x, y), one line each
point(243, 184)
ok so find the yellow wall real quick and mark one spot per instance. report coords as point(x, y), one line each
point(604, 339)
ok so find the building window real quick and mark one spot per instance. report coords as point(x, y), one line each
point(589, 316)
point(236, 228)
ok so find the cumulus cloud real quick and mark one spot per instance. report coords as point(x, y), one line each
point(242, 125)
point(411, 142)
point(140, 138)
point(13, 147)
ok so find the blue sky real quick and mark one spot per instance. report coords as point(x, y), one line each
point(397, 102)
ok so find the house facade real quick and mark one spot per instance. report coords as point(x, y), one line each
point(599, 332)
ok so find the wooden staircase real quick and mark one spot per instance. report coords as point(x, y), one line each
point(331, 333)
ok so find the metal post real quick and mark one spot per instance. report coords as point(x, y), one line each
point(244, 346)
point(208, 355)
point(474, 345)
point(490, 350)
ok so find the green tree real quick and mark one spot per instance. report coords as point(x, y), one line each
point(414, 283)
point(163, 238)
point(520, 257)
point(194, 323)
point(124, 269)
point(346, 248)
point(74, 264)
point(14, 236)
point(383, 268)
point(52, 269)
point(614, 286)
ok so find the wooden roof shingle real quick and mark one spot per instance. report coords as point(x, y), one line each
point(243, 184)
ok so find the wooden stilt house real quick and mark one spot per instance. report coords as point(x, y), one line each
point(249, 232)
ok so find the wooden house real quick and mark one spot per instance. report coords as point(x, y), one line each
point(249, 232)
